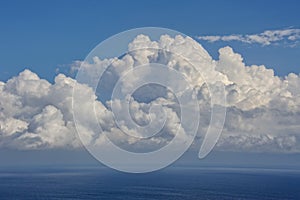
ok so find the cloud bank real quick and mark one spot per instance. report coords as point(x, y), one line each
point(288, 36)
point(263, 110)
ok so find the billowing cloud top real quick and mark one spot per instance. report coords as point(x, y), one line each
point(263, 110)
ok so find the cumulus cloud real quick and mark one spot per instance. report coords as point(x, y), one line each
point(35, 113)
point(263, 110)
point(291, 36)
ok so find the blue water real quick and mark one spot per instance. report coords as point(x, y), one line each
point(176, 183)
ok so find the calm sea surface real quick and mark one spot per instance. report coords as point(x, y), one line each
point(174, 183)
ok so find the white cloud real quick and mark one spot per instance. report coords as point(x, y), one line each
point(35, 114)
point(263, 109)
point(268, 37)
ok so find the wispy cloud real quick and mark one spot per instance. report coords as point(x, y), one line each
point(291, 36)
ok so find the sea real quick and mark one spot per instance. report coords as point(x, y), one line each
point(82, 183)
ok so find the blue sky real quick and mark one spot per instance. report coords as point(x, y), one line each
point(43, 35)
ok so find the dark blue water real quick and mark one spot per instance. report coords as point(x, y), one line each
point(176, 183)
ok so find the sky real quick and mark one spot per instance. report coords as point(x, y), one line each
point(251, 48)
point(45, 35)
